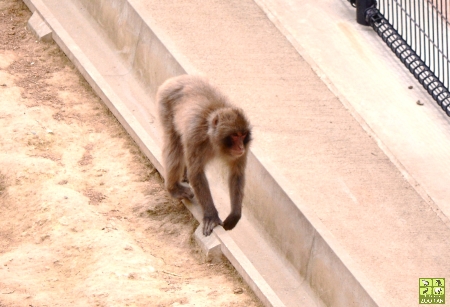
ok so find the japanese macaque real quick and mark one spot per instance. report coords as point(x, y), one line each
point(200, 124)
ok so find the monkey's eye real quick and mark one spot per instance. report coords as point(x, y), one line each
point(239, 135)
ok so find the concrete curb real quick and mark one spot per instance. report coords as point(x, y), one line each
point(39, 27)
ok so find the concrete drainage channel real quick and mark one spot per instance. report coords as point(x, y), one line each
point(124, 57)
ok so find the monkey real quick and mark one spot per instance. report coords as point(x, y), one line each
point(200, 124)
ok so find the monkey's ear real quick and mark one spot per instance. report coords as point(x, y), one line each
point(215, 121)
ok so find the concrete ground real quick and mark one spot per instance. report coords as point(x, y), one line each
point(333, 117)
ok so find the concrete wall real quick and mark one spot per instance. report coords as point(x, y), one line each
point(137, 44)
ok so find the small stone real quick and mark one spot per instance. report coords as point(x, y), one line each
point(410, 87)
point(420, 103)
point(238, 291)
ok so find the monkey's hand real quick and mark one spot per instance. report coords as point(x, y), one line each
point(209, 222)
point(231, 221)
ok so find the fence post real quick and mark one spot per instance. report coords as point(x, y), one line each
point(361, 8)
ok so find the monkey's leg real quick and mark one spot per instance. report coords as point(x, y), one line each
point(200, 185)
point(236, 183)
point(174, 167)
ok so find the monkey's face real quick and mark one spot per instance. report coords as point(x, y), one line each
point(230, 131)
point(236, 143)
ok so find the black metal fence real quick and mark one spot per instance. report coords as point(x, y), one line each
point(417, 32)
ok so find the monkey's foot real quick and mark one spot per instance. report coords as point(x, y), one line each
point(209, 223)
point(180, 191)
point(231, 221)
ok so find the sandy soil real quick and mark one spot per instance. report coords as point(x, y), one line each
point(85, 220)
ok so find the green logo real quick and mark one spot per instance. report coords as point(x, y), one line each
point(431, 290)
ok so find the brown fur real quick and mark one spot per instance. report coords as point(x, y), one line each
point(199, 124)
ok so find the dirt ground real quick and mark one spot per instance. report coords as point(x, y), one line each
point(85, 220)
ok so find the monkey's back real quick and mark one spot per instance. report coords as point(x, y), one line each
point(185, 103)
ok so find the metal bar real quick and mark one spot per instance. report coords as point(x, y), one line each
point(447, 43)
point(417, 66)
point(415, 33)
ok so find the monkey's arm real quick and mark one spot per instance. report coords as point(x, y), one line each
point(200, 186)
point(236, 183)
